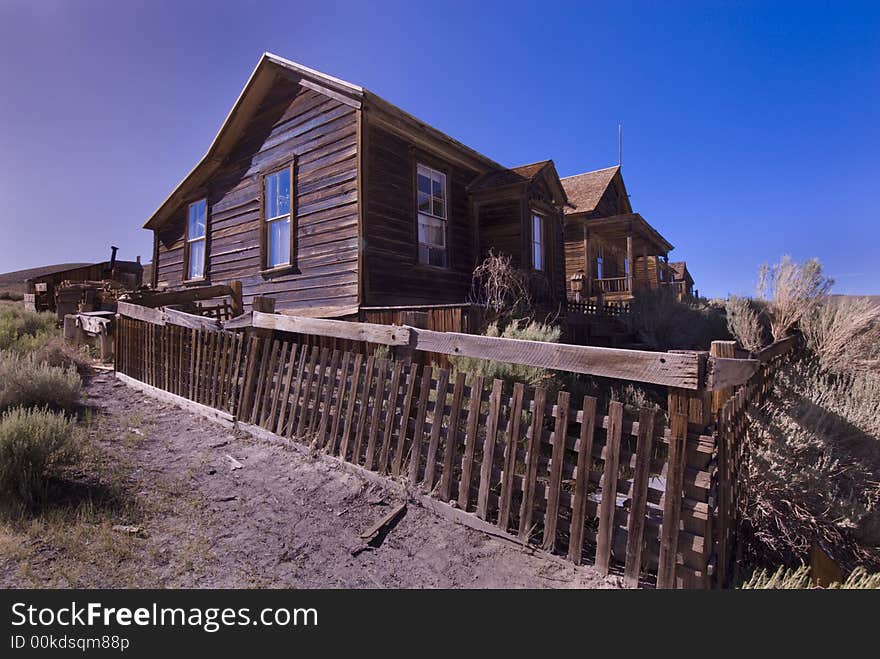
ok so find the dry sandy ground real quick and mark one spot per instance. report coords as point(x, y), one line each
point(284, 519)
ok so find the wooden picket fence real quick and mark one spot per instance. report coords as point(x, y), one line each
point(625, 488)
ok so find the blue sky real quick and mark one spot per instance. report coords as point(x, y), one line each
point(750, 129)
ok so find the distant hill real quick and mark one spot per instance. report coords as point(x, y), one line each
point(15, 281)
point(874, 298)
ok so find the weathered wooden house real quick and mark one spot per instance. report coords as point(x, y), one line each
point(682, 280)
point(610, 251)
point(336, 203)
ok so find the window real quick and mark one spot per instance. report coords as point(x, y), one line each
point(432, 209)
point(537, 241)
point(277, 215)
point(600, 263)
point(196, 237)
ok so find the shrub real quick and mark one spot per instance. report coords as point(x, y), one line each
point(840, 331)
point(24, 331)
point(664, 323)
point(11, 295)
point(744, 322)
point(26, 382)
point(791, 290)
point(529, 375)
point(814, 472)
point(799, 578)
point(502, 289)
point(34, 446)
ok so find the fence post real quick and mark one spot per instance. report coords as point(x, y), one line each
point(252, 357)
point(237, 303)
point(690, 414)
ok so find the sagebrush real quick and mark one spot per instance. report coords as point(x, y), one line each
point(27, 382)
point(35, 445)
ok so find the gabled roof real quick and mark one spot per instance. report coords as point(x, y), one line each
point(260, 82)
point(503, 176)
point(681, 270)
point(585, 190)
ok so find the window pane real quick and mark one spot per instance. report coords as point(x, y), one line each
point(278, 238)
point(271, 196)
point(196, 260)
point(277, 193)
point(438, 190)
point(197, 219)
point(536, 228)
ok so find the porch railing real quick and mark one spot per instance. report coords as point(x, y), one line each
point(612, 284)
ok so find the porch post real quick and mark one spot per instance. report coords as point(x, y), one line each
point(588, 267)
point(629, 260)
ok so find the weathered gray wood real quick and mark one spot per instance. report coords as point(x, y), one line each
point(193, 321)
point(339, 329)
point(514, 425)
point(725, 372)
point(776, 349)
point(672, 501)
point(671, 369)
point(532, 459)
point(470, 441)
point(609, 487)
point(136, 311)
point(582, 480)
point(636, 525)
point(551, 513)
point(185, 403)
point(489, 450)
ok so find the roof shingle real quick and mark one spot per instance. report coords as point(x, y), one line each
point(584, 191)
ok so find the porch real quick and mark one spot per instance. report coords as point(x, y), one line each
point(610, 258)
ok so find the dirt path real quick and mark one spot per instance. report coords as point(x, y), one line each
point(284, 519)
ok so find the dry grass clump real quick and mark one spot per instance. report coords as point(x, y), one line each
point(34, 446)
point(27, 382)
point(791, 290)
point(842, 331)
point(529, 375)
point(664, 323)
point(25, 331)
point(785, 578)
point(745, 323)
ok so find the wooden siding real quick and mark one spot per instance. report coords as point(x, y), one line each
point(321, 134)
point(392, 273)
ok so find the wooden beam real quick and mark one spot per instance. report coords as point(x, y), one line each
point(776, 349)
point(139, 312)
point(391, 335)
point(219, 416)
point(192, 321)
point(670, 369)
point(724, 372)
point(182, 297)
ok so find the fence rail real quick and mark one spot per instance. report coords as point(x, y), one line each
point(581, 477)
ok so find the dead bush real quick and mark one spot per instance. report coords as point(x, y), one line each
point(791, 290)
point(785, 578)
point(842, 331)
point(502, 289)
point(745, 323)
point(814, 472)
point(34, 446)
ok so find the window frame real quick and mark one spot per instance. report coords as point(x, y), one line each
point(432, 168)
point(265, 268)
point(188, 242)
point(542, 219)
